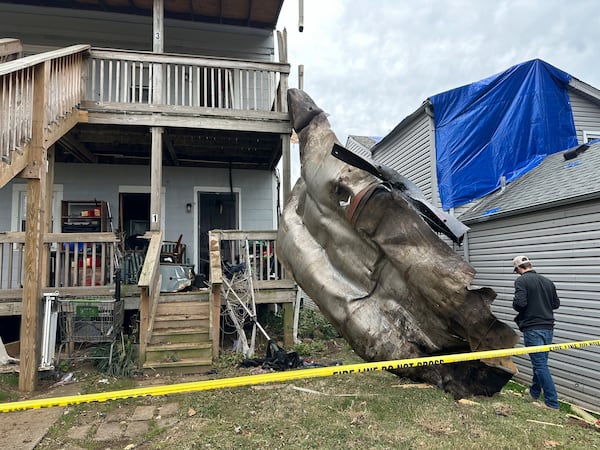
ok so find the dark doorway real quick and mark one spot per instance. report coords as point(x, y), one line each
point(134, 221)
point(217, 211)
point(134, 216)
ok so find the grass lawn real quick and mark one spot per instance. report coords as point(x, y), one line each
point(372, 410)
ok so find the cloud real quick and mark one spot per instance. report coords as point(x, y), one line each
point(369, 64)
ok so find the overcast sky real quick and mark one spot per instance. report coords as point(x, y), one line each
point(370, 63)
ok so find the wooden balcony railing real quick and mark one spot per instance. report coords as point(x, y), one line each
point(62, 70)
point(124, 77)
point(228, 248)
point(76, 261)
point(79, 78)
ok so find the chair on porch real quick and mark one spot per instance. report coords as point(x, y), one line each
point(173, 251)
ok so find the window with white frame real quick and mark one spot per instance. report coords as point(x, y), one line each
point(590, 136)
point(19, 207)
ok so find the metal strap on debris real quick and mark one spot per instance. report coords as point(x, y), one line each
point(286, 376)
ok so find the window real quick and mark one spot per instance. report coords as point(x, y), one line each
point(590, 136)
point(19, 207)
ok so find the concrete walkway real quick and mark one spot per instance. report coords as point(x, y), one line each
point(24, 430)
point(122, 423)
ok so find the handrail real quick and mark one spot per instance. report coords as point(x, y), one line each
point(149, 283)
point(56, 76)
point(177, 58)
point(34, 60)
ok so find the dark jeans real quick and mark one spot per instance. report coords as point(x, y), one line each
point(542, 379)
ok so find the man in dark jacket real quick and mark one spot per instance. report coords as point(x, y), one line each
point(535, 301)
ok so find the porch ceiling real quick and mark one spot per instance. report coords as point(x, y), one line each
point(107, 144)
point(248, 13)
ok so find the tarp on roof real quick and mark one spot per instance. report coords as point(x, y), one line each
point(504, 125)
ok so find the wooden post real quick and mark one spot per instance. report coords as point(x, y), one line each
point(158, 13)
point(288, 325)
point(157, 94)
point(287, 171)
point(285, 139)
point(144, 318)
point(158, 45)
point(216, 318)
point(34, 236)
point(156, 179)
point(216, 280)
point(47, 228)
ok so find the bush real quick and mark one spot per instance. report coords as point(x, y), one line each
point(272, 322)
point(230, 359)
point(312, 324)
point(310, 348)
point(124, 357)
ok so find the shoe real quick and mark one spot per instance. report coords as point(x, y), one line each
point(544, 406)
point(527, 395)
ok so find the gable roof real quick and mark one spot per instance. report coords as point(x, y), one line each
point(554, 182)
point(574, 86)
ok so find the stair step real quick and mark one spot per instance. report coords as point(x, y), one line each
point(198, 322)
point(185, 366)
point(176, 308)
point(196, 296)
point(179, 346)
point(183, 338)
point(179, 335)
point(178, 351)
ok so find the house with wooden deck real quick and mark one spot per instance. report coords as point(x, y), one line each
point(457, 147)
point(136, 135)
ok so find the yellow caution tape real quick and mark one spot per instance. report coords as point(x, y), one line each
point(285, 376)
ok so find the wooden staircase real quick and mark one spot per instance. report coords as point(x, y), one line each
point(181, 341)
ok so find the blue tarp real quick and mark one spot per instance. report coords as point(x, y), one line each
point(504, 125)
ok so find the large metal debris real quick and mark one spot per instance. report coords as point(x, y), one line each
point(368, 255)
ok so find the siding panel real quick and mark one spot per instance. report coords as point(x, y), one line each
point(564, 244)
point(586, 115)
point(409, 153)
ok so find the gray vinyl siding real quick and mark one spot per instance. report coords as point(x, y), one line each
point(358, 148)
point(41, 28)
point(409, 153)
point(586, 115)
point(564, 245)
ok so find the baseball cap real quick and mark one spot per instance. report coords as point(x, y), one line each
point(521, 259)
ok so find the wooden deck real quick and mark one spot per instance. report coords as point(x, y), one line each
point(44, 97)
